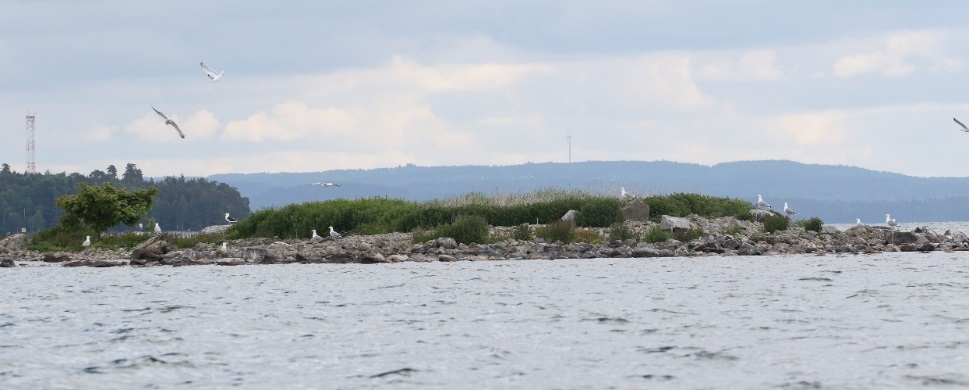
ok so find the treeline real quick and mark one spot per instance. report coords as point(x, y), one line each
point(28, 200)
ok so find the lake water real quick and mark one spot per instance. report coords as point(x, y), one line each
point(894, 320)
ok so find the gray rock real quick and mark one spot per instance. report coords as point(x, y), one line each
point(635, 210)
point(217, 229)
point(16, 242)
point(446, 243)
point(570, 216)
point(675, 223)
point(152, 249)
point(7, 263)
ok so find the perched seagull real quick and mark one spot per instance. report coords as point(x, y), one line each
point(761, 203)
point(858, 222)
point(788, 211)
point(623, 194)
point(87, 242)
point(891, 221)
point(325, 184)
point(316, 237)
point(211, 73)
point(964, 128)
point(333, 233)
point(169, 122)
point(229, 219)
point(157, 228)
point(224, 247)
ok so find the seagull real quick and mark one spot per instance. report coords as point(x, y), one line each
point(325, 184)
point(229, 219)
point(224, 247)
point(316, 237)
point(157, 228)
point(87, 242)
point(761, 203)
point(333, 233)
point(891, 221)
point(624, 194)
point(858, 222)
point(964, 128)
point(211, 73)
point(169, 122)
point(788, 211)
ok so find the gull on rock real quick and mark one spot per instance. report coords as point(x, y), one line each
point(891, 221)
point(168, 121)
point(761, 203)
point(224, 247)
point(333, 233)
point(316, 237)
point(964, 128)
point(858, 222)
point(211, 73)
point(624, 194)
point(157, 228)
point(229, 219)
point(87, 242)
point(788, 211)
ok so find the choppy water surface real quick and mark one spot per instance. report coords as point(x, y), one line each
point(890, 320)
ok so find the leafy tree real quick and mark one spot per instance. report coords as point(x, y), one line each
point(112, 172)
point(106, 206)
point(6, 169)
point(132, 174)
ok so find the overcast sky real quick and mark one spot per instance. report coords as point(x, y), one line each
point(319, 85)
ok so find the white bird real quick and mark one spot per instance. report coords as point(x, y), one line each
point(87, 242)
point(157, 228)
point(325, 184)
point(224, 247)
point(761, 203)
point(964, 128)
point(316, 237)
point(858, 222)
point(169, 122)
point(788, 211)
point(624, 194)
point(229, 219)
point(211, 73)
point(141, 226)
point(333, 233)
point(890, 221)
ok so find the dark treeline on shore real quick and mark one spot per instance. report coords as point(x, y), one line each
point(29, 200)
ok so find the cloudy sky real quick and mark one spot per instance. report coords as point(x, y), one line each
point(319, 85)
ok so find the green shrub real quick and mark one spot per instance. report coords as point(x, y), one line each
point(683, 204)
point(619, 231)
point(599, 212)
point(656, 234)
point(688, 235)
point(522, 233)
point(559, 230)
point(775, 223)
point(466, 230)
point(589, 236)
point(67, 235)
point(811, 224)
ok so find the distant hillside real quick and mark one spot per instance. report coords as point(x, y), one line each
point(836, 194)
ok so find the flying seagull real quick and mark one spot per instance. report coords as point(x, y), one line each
point(333, 233)
point(788, 211)
point(964, 128)
point(169, 122)
point(325, 184)
point(87, 242)
point(316, 237)
point(761, 203)
point(211, 73)
point(229, 219)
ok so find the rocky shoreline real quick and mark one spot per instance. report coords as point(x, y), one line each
point(722, 237)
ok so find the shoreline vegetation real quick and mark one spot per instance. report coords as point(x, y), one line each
point(546, 224)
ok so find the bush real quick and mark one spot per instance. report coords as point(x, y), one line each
point(559, 230)
point(464, 230)
point(522, 233)
point(775, 223)
point(599, 212)
point(619, 231)
point(66, 236)
point(589, 236)
point(656, 234)
point(812, 224)
point(688, 235)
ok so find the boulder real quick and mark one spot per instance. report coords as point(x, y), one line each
point(152, 249)
point(217, 229)
point(675, 224)
point(570, 216)
point(56, 257)
point(16, 242)
point(636, 210)
point(446, 243)
point(7, 263)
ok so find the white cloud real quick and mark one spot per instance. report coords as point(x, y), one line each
point(751, 65)
point(901, 54)
point(291, 121)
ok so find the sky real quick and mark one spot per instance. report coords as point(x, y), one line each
point(319, 85)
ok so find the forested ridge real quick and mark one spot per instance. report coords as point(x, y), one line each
point(28, 200)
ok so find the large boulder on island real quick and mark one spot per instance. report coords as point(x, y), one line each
point(675, 223)
point(152, 249)
point(16, 242)
point(217, 229)
point(635, 210)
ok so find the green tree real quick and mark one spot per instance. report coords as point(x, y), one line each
point(106, 206)
point(112, 172)
point(132, 174)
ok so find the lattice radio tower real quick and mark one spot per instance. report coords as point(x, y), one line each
point(31, 167)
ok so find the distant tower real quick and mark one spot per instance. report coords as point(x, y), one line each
point(31, 167)
point(568, 136)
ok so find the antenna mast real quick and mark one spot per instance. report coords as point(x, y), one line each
point(31, 167)
point(568, 135)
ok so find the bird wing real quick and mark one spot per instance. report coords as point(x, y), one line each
point(964, 128)
point(207, 70)
point(160, 113)
point(177, 129)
